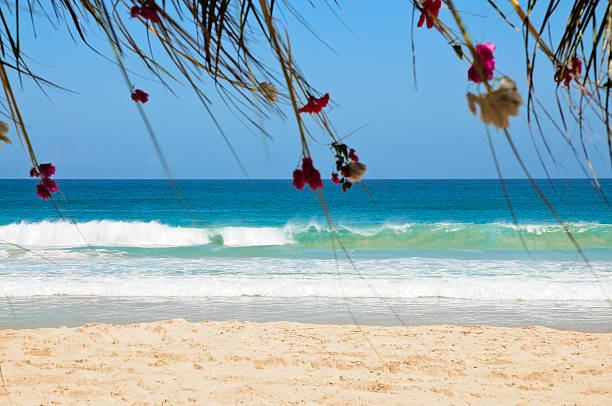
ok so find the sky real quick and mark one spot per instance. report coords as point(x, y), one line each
point(424, 132)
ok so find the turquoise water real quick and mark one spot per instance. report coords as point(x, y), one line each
point(408, 240)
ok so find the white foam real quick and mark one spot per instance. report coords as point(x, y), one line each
point(104, 233)
point(208, 286)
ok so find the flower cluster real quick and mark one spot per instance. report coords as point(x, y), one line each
point(566, 73)
point(140, 96)
point(485, 55)
point(431, 8)
point(46, 185)
point(148, 13)
point(308, 174)
point(347, 163)
point(315, 105)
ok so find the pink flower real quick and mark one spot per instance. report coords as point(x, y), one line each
point(308, 174)
point(140, 96)
point(314, 180)
point(569, 72)
point(298, 179)
point(335, 178)
point(149, 14)
point(46, 170)
point(34, 173)
point(485, 55)
point(145, 12)
point(346, 171)
point(49, 184)
point(346, 185)
point(315, 105)
point(353, 156)
point(431, 8)
point(43, 191)
point(134, 11)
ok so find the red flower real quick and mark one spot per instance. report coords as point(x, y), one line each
point(569, 72)
point(314, 180)
point(149, 14)
point(43, 191)
point(315, 105)
point(34, 173)
point(145, 12)
point(346, 171)
point(485, 54)
point(134, 11)
point(335, 178)
point(431, 8)
point(46, 170)
point(308, 174)
point(49, 184)
point(353, 156)
point(298, 179)
point(346, 185)
point(140, 96)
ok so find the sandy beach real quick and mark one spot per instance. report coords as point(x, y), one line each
point(176, 363)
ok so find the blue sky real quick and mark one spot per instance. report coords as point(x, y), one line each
point(428, 132)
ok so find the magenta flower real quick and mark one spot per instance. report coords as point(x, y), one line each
point(314, 180)
point(431, 8)
point(46, 170)
point(485, 55)
point(346, 171)
point(134, 11)
point(335, 178)
point(298, 179)
point(46, 185)
point(307, 175)
point(140, 96)
point(49, 184)
point(43, 191)
point(145, 12)
point(353, 156)
point(149, 14)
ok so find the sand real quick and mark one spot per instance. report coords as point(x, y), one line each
point(180, 363)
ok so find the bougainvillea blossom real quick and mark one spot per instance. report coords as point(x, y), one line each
point(140, 96)
point(46, 185)
point(43, 191)
point(307, 175)
point(335, 178)
point(567, 73)
point(485, 55)
point(46, 170)
point(50, 184)
point(353, 156)
point(145, 12)
point(315, 105)
point(431, 8)
point(346, 171)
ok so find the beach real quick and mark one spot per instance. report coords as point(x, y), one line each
point(175, 362)
point(81, 301)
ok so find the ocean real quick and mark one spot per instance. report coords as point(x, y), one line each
point(408, 252)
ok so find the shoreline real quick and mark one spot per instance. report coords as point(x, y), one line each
point(234, 362)
point(72, 311)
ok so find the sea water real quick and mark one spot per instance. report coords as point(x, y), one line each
point(390, 252)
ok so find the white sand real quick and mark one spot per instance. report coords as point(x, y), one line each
point(179, 363)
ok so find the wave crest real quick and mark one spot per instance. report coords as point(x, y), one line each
point(438, 236)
